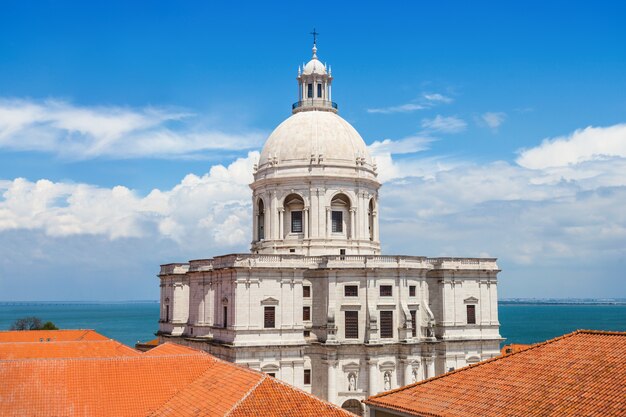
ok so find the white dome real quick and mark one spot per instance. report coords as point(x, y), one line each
point(314, 66)
point(314, 133)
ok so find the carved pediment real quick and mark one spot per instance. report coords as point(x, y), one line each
point(269, 301)
point(471, 300)
point(351, 366)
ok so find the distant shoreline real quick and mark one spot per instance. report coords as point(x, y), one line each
point(506, 301)
point(564, 302)
point(24, 303)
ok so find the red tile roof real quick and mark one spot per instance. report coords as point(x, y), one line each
point(512, 348)
point(78, 349)
point(167, 381)
point(49, 335)
point(578, 374)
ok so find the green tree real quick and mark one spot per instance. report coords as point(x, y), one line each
point(32, 323)
point(49, 326)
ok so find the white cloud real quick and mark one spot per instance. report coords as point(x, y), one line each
point(213, 208)
point(77, 132)
point(450, 124)
point(426, 101)
point(403, 108)
point(591, 143)
point(493, 120)
point(436, 97)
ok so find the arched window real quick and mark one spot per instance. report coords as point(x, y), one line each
point(340, 214)
point(353, 406)
point(260, 221)
point(370, 219)
point(294, 218)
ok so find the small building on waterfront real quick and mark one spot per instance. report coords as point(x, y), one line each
point(315, 303)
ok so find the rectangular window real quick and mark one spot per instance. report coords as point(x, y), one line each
point(351, 291)
point(471, 314)
point(296, 222)
point(306, 291)
point(225, 318)
point(411, 290)
point(385, 291)
point(413, 323)
point(337, 221)
point(352, 324)
point(319, 91)
point(270, 317)
point(386, 324)
point(307, 377)
point(309, 91)
point(272, 374)
point(167, 313)
point(306, 313)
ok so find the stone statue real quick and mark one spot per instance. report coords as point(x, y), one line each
point(351, 382)
point(387, 381)
point(414, 376)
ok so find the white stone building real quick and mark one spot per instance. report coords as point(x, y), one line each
point(315, 303)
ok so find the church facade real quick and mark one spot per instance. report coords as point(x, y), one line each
point(315, 303)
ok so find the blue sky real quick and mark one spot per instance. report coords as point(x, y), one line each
point(127, 131)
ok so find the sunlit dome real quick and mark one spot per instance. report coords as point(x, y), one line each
point(314, 133)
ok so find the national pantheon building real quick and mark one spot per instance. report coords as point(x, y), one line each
point(315, 303)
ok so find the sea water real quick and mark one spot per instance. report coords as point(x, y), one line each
point(130, 322)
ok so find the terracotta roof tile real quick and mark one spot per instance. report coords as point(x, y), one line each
point(581, 373)
point(171, 349)
point(169, 380)
point(84, 349)
point(49, 335)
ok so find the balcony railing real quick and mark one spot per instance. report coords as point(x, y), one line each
point(314, 103)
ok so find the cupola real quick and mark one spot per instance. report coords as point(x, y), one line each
point(314, 86)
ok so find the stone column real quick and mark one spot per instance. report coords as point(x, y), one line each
point(314, 210)
point(273, 217)
point(493, 301)
point(255, 219)
point(298, 373)
point(328, 223)
point(353, 234)
point(331, 382)
point(430, 365)
point(375, 225)
point(281, 223)
point(306, 222)
point(372, 377)
point(408, 372)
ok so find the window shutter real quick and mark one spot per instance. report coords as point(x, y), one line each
point(386, 324)
point(351, 291)
point(270, 317)
point(306, 313)
point(471, 314)
point(413, 323)
point(385, 291)
point(296, 222)
point(337, 220)
point(352, 325)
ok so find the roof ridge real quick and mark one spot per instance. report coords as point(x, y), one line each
point(487, 361)
point(179, 390)
point(293, 387)
point(108, 358)
point(247, 394)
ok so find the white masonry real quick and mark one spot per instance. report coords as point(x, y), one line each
point(315, 303)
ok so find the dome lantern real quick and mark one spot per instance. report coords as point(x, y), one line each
point(314, 87)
